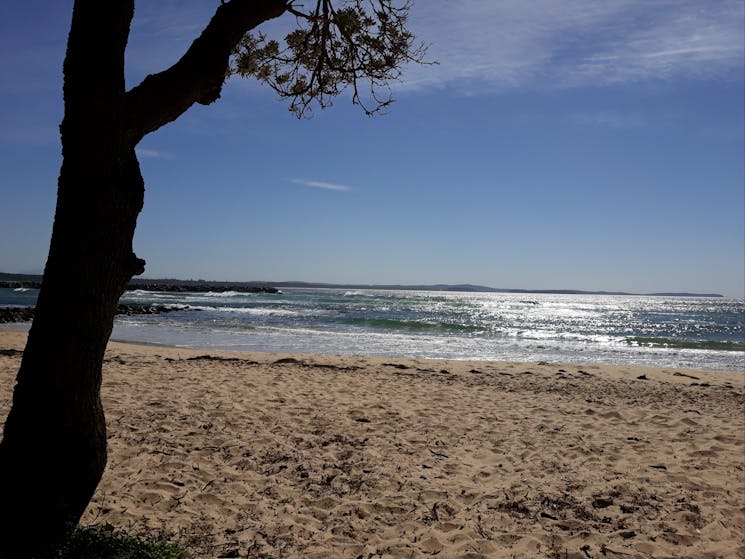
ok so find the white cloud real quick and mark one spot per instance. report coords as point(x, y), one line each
point(608, 119)
point(485, 44)
point(161, 33)
point(502, 44)
point(323, 185)
point(151, 154)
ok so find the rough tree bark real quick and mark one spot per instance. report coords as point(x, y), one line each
point(53, 450)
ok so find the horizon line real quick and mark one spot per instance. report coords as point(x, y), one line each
point(463, 287)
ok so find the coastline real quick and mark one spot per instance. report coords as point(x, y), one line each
point(344, 456)
point(695, 333)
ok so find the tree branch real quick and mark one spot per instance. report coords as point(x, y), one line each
point(360, 42)
point(199, 75)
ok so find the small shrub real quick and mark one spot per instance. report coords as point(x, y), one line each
point(107, 542)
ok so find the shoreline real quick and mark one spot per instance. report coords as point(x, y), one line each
point(658, 332)
point(23, 327)
point(343, 456)
point(739, 374)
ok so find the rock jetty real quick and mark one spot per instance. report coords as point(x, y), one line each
point(182, 287)
point(26, 314)
point(20, 284)
point(16, 314)
point(178, 286)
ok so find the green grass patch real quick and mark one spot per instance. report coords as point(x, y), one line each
point(108, 542)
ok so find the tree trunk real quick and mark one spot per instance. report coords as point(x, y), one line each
point(53, 451)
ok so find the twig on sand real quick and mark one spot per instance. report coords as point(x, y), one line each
point(480, 529)
point(605, 550)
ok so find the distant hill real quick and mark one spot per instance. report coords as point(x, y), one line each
point(467, 287)
point(30, 280)
point(20, 280)
point(685, 295)
point(20, 277)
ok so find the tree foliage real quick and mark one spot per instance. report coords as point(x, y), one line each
point(360, 44)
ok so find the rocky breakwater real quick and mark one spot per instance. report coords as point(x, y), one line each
point(200, 287)
point(130, 310)
point(26, 314)
point(20, 284)
point(179, 286)
point(16, 314)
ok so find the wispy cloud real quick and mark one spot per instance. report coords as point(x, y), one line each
point(505, 44)
point(161, 33)
point(608, 119)
point(574, 43)
point(323, 185)
point(152, 154)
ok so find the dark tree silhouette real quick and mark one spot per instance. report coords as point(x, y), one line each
point(53, 450)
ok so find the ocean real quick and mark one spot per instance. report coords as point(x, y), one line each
point(685, 332)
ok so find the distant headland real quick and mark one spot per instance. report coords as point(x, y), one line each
point(34, 282)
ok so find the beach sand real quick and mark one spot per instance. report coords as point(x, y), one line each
point(266, 455)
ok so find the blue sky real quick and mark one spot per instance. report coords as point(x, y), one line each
point(557, 144)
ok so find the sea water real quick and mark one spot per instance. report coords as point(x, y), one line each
point(687, 332)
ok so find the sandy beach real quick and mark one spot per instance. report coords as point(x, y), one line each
point(287, 456)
